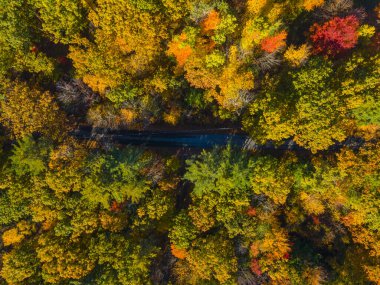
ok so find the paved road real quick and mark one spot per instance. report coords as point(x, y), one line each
point(200, 139)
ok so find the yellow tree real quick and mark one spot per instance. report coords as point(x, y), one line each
point(127, 40)
point(25, 110)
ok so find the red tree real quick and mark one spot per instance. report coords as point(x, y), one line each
point(336, 35)
point(251, 212)
point(255, 267)
point(116, 207)
point(271, 44)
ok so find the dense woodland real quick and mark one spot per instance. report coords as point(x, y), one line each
point(78, 212)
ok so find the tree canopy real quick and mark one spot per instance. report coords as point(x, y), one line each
point(290, 89)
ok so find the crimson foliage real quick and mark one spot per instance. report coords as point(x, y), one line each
point(335, 36)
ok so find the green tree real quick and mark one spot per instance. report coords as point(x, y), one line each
point(314, 107)
point(19, 38)
point(117, 176)
point(124, 261)
point(63, 21)
point(30, 156)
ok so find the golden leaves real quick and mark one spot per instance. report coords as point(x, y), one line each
point(311, 4)
point(27, 110)
point(17, 234)
point(297, 56)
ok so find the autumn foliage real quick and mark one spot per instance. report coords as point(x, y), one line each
point(180, 50)
point(311, 4)
point(273, 43)
point(297, 56)
point(255, 267)
point(211, 22)
point(335, 36)
point(178, 252)
point(189, 142)
point(251, 212)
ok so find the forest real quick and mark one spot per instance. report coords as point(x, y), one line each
point(94, 211)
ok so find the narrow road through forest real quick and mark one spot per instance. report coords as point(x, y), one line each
point(197, 138)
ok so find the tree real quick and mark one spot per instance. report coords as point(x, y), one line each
point(312, 4)
point(317, 107)
point(157, 206)
point(181, 47)
point(183, 232)
point(302, 104)
point(63, 21)
point(335, 36)
point(211, 259)
point(211, 22)
point(302, 208)
point(363, 85)
point(21, 265)
point(177, 10)
point(361, 220)
point(128, 262)
point(271, 44)
point(243, 207)
point(63, 259)
point(221, 170)
point(297, 56)
point(30, 156)
point(257, 29)
point(228, 84)
point(127, 41)
point(117, 176)
point(26, 110)
point(272, 177)
point(20, 38)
